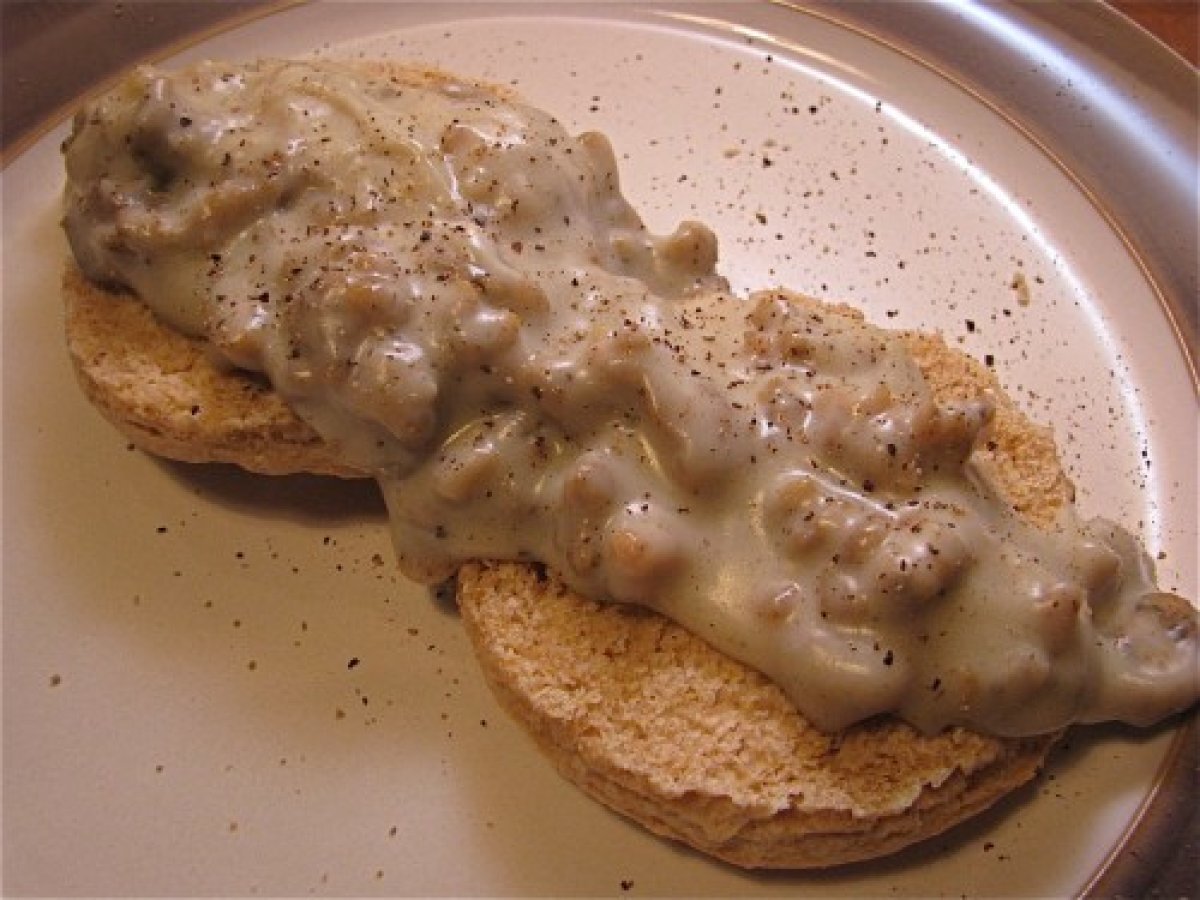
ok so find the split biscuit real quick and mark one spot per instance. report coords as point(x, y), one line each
point(636, 711)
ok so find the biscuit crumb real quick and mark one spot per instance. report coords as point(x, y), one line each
point(1021, 286)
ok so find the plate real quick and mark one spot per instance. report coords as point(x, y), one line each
point(214, 684)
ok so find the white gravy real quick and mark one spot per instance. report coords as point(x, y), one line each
point(453, 291)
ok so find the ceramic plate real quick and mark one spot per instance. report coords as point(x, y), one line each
point(214, 684)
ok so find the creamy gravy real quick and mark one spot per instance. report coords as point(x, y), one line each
point(453, 291)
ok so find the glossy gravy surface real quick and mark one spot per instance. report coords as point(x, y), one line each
point(453, 291)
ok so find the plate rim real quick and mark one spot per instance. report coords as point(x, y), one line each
point(1157, 821)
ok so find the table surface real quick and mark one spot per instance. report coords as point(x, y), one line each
point(1174, 22)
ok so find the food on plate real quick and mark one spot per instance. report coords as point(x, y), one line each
point(170, 397)
point(446, 291)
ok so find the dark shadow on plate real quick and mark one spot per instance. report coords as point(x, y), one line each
point(321, 499)
point(307, 498)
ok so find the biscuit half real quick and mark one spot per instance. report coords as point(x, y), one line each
point(169, 396)
point(659, 726)
point(655, 723)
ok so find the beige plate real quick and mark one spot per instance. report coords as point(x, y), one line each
point(214, 684)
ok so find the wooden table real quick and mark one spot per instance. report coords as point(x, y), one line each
point(1174, 22)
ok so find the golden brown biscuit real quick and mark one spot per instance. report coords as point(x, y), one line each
point(653, 722)
point(167, 394)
